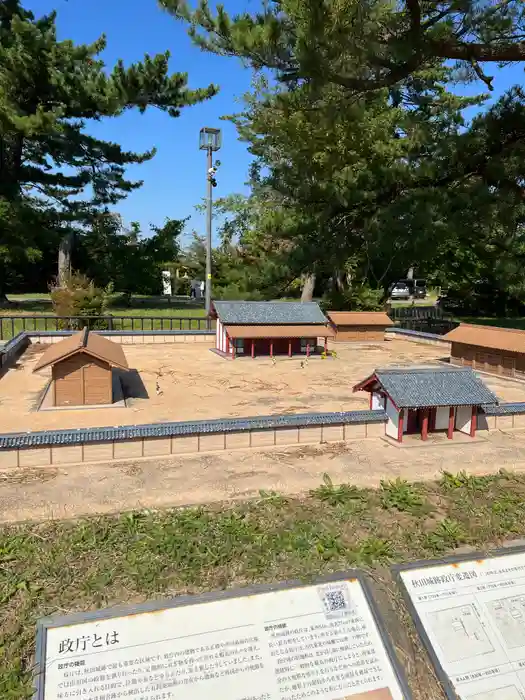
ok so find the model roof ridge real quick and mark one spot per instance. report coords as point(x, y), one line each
point(496, 329)
point(404, 370)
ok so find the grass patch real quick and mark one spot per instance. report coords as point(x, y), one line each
point(99, 561)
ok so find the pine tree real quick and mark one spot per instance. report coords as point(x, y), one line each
point(51, 170)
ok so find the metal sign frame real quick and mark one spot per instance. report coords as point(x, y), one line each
point(423, 564)
point(47, 623)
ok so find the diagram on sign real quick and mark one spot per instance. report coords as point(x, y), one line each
point(508, 615)
point(509, 692)
point(459, 633)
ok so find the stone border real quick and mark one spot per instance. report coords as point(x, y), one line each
point(60, 447)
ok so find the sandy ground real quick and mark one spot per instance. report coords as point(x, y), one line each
point(52, 492)
point(197, 384)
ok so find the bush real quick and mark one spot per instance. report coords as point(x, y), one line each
point(358, 298)
point(81, 299)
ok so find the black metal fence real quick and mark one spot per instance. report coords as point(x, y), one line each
point(11, 325)
point(426, 319)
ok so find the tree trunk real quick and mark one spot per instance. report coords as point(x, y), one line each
point(65, 250)
point(307, 293)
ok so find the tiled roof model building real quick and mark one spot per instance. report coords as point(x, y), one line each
point(359, 326)
point(81, 369)
point(488, 348)
point(254, 328)
point(428, 399)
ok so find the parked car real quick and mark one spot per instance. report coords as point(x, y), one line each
point(420, 289)
point(400, 290)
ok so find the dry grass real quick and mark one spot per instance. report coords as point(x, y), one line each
point(101, 561)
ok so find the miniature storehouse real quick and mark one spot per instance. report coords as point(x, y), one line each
point(359, 326)
point(423, 400)
point(82, 369)
point(488, 348)
point(253, 328)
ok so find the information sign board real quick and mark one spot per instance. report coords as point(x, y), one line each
point(470, 613)
point(286, 642)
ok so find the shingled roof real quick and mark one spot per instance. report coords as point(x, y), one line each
point(422, 387)
point(269, 313)
point(85, 342)
point(510, 339)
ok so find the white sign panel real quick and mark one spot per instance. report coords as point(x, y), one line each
point(319, 641)
point(471, 615)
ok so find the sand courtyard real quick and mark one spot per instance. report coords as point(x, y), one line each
point(184, 382)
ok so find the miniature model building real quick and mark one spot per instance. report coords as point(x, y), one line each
point(359, 325)
point(488, 348)
point(428, 399)
point(255, 328)
point(81, 367)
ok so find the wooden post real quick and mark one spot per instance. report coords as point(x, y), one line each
point(474, 421)
point(401, 416)
point(233, 351)
point(307, 349)
point(424, 426)
point(371, 398)
point(253, 348)
point(326, 346)
point(271, 348)
point(450, 431)
point(227, 344)
point(289, 348)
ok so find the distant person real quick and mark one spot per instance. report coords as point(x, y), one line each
point(202, 288)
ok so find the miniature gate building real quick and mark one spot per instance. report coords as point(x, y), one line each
point(359, 326)
point(488, 348)
point(253, 328)
point(82, 369)
point(428, 399)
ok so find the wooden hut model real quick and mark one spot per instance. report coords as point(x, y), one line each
point(82, 369)
point(254, 328)
point(356, 326)
point(427, 399)
point(488, 348)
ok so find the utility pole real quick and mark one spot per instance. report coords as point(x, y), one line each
point(209, 140)
point(209, 204)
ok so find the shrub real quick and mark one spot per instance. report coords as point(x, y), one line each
point(80, 299)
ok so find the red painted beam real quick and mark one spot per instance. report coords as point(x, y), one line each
point(450, 431)
point(401, 415)
point(474, 421)
point(424, 426)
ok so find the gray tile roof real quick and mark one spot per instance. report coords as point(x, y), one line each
point(435, 386)
point(269, 312)
point(202, 427)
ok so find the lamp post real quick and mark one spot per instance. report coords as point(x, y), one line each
point(210, 140)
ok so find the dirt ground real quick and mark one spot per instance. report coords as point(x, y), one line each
point(66, 492)
point(197, 384)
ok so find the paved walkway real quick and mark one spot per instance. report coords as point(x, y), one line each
point(54, 492)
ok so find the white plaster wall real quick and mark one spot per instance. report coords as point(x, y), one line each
point(378, 401)
point(393, 419)
point(442, 415)
point(463, 419)
point(218, 335)
point(405, 420)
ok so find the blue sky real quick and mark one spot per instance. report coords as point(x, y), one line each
point(174, 181)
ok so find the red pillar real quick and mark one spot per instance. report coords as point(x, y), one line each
point(271, 348)
point(253, 348)
point(326, 346)
point(401, 417)
point(474, 421)
point(371, 395)
point(424, 426)
point(227, 344)
point(233, 351)
point(289, 348)
point(450, 431)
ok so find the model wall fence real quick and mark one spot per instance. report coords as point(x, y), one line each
point(106, 444)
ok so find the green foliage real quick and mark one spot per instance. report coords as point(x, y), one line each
point(448, 534)
point(467, 481)
point(53, 174)
point(401, 495)
point(80, 297)
point(336, 495)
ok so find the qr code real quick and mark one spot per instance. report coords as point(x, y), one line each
point(334, 601)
